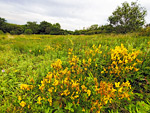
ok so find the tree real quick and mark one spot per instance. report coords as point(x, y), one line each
point(47, 30)
point(55, 29)
point(128, 18)
point(28, 31)
point(43, 26)
point(93, 27)
point(33, 26)
point(2, 20)
point(2, 23)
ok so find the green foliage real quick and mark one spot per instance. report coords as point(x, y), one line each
point(28, 31)
point(33, 26)
point(1, 32)
point(2, 23)
point(128, 18)
point(145, 31)
point(27, 59)
point(44, 26)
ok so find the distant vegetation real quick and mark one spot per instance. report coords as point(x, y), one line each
point(126, 18)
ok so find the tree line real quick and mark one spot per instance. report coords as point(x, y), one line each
point(126, 18)
point(32, 28)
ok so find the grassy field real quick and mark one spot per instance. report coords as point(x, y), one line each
point(97, 73)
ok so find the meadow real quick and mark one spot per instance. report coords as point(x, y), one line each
point(105, 73)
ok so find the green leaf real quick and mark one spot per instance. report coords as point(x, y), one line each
point(68, 107)
point(48, 110)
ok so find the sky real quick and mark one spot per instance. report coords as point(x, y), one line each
point(71, 14)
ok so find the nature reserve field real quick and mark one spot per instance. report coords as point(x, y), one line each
point(64, 74)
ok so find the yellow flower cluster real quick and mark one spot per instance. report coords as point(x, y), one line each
point(122, 61)
point(72, 84)
point(95, 50)
point(106, 92)
point(86, 64)
point(70, 51)
point(47, 48)
point(57, 65)
point(26, 87)
point(73, 61)
point(79, 90)
point(123, 90)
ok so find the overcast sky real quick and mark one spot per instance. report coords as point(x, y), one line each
point(71, 14)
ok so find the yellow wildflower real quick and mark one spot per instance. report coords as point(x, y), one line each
point(126, 61)
point(50, 90)
point(105, 100)
point(89, 60)
point(88, 92)
point(96, 65)
point(83, 109)
point(55, 82)
point(134, 64)
point(120, 62)
point(117, 84)
point(66, 92)
point(120, 89)
point(98, 111)
point(50, 101)
point(93, 46)
point(85, 69)
point(39, 100)
point(31, 80)
point(41, 88)
point(76, 96)
point(75, 84)
point(83, 88)
point(102, 72)
point(23, 103)
point(24, 87)
point(83, 61)
point(19, 98)
point(28, 106)
point(128, 84)
point(113, 90)
point(136, 69)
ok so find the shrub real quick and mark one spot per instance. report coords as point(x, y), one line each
point(145, 32)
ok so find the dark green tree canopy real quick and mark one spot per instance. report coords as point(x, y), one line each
point(28, 31)
point(33, 26)
point(128, 17)
point(43, 26)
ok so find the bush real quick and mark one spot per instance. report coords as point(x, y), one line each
point(12, 32)
point(145, 32)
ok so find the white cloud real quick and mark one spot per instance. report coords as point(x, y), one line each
point(71, 14)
